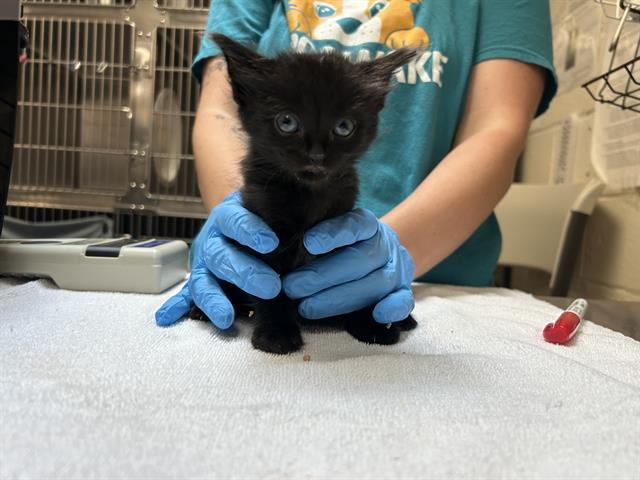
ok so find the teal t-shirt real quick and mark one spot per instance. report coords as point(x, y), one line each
point(419, 122)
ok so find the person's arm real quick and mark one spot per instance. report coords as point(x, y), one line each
point(216, 136)
point(218, 146)
point(218, 139)
point(452, 202)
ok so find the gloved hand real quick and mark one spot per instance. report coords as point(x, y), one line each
point(367, 266)
point(215, 257)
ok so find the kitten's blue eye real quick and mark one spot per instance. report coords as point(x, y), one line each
point(344, 128)
point(376, 8)
point(287, 123)
point(323, 10)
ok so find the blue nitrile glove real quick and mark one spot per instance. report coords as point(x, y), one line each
point(215, 257)
point(367, 266)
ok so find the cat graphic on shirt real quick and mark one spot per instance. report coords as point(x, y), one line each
point(357, 22)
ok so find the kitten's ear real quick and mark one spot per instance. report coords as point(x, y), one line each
point(381, 69)
point(378, 75)
point(245, 67)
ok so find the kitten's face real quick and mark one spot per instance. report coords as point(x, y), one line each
point(308, 116)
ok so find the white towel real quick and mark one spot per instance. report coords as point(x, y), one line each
point(91, 388)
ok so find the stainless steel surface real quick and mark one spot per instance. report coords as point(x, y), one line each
point(184, 4)
point(174, 175)
point(104, 77)
point(167, 137)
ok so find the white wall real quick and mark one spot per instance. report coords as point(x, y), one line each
point(609, 264)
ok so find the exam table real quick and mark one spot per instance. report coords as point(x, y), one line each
point(92, 388)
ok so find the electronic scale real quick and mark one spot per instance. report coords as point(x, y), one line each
point(117, 265)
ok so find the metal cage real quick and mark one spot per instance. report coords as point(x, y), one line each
point(74, 114)
point(106, 108)
point(91, 3)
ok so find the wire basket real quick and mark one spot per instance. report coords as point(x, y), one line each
point(619, 86)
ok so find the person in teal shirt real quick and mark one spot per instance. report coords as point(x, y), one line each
point(450, 136)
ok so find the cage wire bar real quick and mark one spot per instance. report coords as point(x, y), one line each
point(107, 104)
point(184, 4)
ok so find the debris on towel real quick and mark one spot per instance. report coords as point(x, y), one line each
point(306, 357)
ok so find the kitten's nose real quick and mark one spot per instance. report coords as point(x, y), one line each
point(316, 154)
point(316, 157)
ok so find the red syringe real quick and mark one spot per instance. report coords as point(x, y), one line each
point(567, 325)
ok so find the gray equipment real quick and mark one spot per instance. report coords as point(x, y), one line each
point(118, 265)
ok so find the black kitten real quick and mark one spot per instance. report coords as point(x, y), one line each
point(308, 117)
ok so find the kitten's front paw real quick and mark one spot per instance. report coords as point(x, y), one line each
point(374, 332)
point(362, 327)
point(277, 338)
point(407, 324)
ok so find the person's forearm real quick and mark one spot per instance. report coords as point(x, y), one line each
point(456, 197)
point(460, 193)
point(218, 139)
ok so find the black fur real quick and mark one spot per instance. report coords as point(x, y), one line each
point(293, 181)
